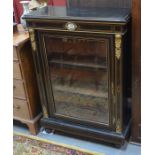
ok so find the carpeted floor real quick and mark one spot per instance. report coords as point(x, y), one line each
point(23, 145)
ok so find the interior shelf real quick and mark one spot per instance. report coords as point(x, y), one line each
point(77, 64)
point(81, 91)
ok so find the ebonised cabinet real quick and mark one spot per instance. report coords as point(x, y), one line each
point(83, 64)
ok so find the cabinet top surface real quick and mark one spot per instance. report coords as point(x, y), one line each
point(90, 14)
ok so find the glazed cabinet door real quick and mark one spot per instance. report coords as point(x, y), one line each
point(77, 71)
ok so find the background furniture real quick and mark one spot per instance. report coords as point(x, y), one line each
point(100, 3)
point(18, 9)
point(83, 64)
point(26, 102)
point(136, 74)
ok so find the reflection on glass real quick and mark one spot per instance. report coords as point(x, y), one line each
point(78, 69)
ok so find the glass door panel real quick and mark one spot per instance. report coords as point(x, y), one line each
point(79, 77)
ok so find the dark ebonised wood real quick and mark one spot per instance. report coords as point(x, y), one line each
point(93, 14)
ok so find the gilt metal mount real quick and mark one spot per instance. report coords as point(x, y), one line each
point(45, 113)
point(118, 126)
point(118, 46)
point(32, 38)
point(71, 26)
